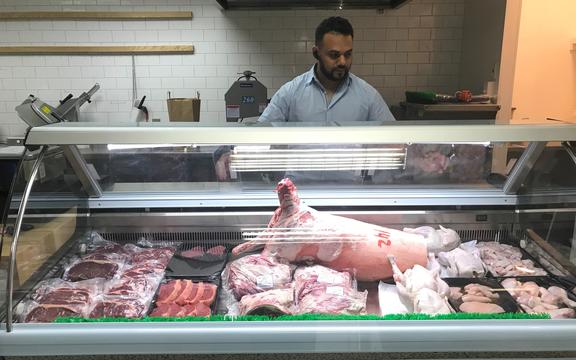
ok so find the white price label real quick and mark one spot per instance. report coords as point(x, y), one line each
point(326, 278)
point(335, 290)
point(265, 281)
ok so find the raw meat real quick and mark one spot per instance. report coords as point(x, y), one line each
point(256, 273)
point(480, 307)
point(275, 301)
point(463, 261)
point(184, 292)
point(299, 233)
point(217, 250)
point(310, 278)
point(198, 252)
point(506, 260)
point(135, 288)
point(118, 307)
point(195, 252)
point(161, 255)
point(174, 310)
point(150, 268)
point(442, 240)
point(535, 299)
point(49, 313)
point(90, 269)
point(421, 290)
point(66, 296)
point(333, 300)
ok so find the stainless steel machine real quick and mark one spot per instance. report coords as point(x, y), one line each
point(247, 97)
point(531, 207)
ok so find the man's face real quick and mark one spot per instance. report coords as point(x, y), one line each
point(335, 56)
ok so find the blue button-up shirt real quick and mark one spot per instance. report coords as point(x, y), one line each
point(304, 99)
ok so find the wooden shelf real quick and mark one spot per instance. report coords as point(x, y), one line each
point(96, 50)
point(96, 15)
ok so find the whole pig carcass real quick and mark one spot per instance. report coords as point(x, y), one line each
point(299, 233)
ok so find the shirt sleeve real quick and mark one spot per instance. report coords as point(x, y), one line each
point(278, 109)
point(379, 110)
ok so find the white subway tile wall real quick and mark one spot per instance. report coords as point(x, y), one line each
point(415, 47)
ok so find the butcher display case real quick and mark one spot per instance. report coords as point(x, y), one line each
point(191, 209)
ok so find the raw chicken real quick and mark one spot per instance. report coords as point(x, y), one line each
point(463, 261)
point(506, 260)
point(563, 295)
point(480, 307)
point(438, 240)
point(299, 233)
point(421, 290)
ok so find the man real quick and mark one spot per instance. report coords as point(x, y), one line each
point(328, 92)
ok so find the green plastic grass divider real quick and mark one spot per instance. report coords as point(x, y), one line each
point(216, 318)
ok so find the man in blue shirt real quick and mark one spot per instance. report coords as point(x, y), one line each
point(328, 92)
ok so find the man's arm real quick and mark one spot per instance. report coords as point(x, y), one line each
point(379, 111)
point(279, 108)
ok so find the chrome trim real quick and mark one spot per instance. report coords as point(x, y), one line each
point(16, 236)
point(570, 150)
point(523, 167)
point(289, 337)
point(396, 133)
point(78, 164)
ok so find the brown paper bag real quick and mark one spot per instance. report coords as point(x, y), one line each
point(183, 109)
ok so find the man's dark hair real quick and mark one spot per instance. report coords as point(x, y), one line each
point(334, 24)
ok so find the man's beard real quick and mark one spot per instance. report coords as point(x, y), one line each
point(336, 74)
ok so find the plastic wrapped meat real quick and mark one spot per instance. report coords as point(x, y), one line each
point(118, 307)
point(299, 233)
point(256, 273)
point(334, 300)
point(90, 269)
point(49, 313)
point(310, 278)
point(161, 255)
point(277, 301)
point(464, 261)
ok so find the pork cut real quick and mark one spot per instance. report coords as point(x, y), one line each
point(310, 278)
point(299, 233)
point(175, 310)
point(256, 273)
point(333, 300)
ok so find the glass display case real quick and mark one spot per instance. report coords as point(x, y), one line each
point(279, 238)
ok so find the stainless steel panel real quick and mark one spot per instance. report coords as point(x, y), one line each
point(289, 337)
point(397, 133)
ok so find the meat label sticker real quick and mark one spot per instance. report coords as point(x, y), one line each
point(326, 278)
point(265, 281)
point(335, 290)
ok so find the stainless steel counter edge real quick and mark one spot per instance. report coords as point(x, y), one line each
point(397, 133)
point(289, 337)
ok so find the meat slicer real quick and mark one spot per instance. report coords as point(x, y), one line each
point(36, 112)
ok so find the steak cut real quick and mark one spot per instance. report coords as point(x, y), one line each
point(186, 292)
point(90, 269)
point(118, 307)
point(256, 273)
point(298, 233)
point(49, 313)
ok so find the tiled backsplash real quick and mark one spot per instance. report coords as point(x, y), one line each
point(417, 46)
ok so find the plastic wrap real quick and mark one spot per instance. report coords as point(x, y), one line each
point(118, 307)
point(464, 261)
point(80, 269)
point(271, 302)
point(256, 273)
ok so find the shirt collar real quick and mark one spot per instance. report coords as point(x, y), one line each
point(311, 77)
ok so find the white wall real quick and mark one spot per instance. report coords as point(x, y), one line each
point(415, 47)
point(545, 72)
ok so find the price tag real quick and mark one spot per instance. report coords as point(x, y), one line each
point(335, 290)
point(326, 278)
point(265, 281)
